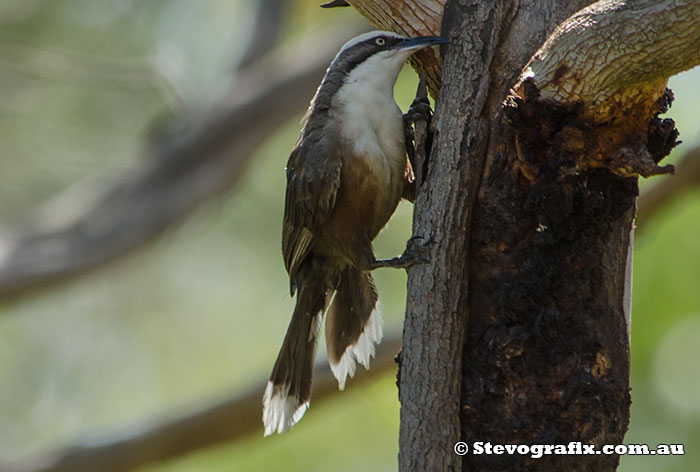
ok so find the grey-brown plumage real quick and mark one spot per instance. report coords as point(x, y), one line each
point(345, 177)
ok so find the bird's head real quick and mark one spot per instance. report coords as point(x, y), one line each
point(373, 58)
point(370, 61)
point(380, 50)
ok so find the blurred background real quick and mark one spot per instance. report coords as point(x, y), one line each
point(98, 96)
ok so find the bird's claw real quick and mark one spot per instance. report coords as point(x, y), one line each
point(417, 252)
point(419, 110)
point(419, 249)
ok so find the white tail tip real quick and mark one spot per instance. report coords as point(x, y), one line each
point(360, 351)
point(280, 411)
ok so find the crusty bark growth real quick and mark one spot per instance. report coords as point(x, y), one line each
point(546, 358)
point(662, 135)
point(546, 346)
point(563, 139)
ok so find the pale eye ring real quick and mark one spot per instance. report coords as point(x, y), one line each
point(380, 41)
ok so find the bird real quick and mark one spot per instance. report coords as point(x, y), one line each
point(345, 177)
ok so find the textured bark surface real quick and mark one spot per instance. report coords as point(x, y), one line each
point(602, 55)
point(490, 46)
point(516, 330)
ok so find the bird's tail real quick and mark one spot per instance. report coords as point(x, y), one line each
point(288, 392)
point(353, 326)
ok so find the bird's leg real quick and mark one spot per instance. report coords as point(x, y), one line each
point(418, 140)
point(417, 252)
point(419, 110)
point(419, 113)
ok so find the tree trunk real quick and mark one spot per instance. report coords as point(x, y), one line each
point(516, 332)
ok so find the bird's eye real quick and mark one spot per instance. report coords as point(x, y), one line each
point(380, 41)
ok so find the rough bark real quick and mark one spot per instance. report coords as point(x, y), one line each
point(516, 330)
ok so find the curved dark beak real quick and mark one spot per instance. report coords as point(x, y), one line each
point(421, 42)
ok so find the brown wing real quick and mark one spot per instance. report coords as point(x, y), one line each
point(313, 178)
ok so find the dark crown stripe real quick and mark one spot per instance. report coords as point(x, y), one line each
point(345, 63)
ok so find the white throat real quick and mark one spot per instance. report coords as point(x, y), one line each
point(371, 119)
point(378, 72)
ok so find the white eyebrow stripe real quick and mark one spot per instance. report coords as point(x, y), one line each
point(365, 37)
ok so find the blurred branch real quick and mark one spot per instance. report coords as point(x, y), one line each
point(686, 177)
point(228, 420)
point(72, 66)
point(268, 23)
point(95, 225)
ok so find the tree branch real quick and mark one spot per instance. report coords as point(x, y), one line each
point(92, 227)
point(226, 421)
point(605, 53)
point(609, 64)
point(268, 24)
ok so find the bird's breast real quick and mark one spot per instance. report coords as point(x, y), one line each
point(371, 125)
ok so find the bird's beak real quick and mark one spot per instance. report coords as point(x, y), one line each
point(421, 42)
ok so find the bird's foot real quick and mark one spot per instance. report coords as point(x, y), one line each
point(417, 252)
point(419, 110)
